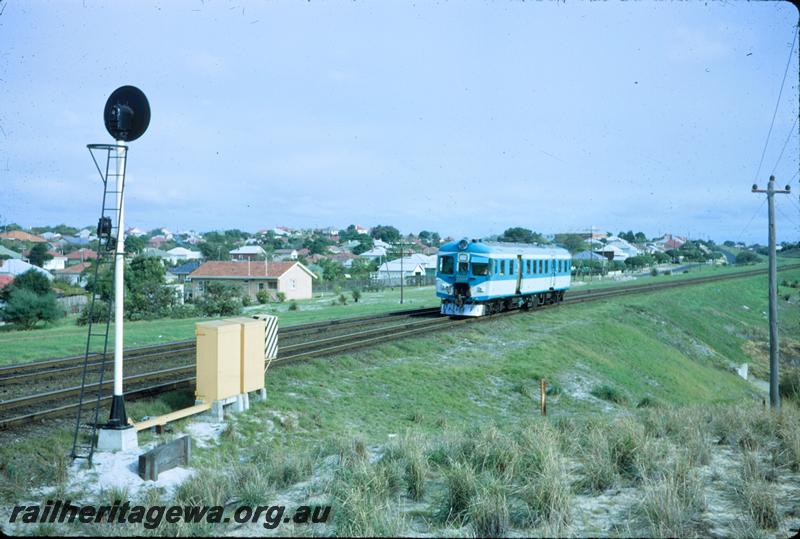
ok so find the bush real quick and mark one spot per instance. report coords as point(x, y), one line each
point(747, 257)
point(246, 301)
point(281, 297)
point(98, 314)
point(26, 308)
point(342, 299)
point(668, 272)
point(654, 272)
point(356, 295)
point(219, 300)
point(789, 385)
point(293, 306)
point(262, 297)
point(609, 393)
point(187, 310)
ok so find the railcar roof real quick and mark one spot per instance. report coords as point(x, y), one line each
point(497, 247)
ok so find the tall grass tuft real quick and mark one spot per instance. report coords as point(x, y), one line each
point(671, 504)
point(755, 495)
point(488, 510)
point(461, 486)
point(609, 393)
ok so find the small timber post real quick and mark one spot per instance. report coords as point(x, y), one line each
point(543, 396)
point(774, 394)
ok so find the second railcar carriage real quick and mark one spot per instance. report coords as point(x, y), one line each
point(476, 278)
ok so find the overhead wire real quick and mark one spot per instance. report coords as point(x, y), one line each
point(777, 103)
point(789, 136)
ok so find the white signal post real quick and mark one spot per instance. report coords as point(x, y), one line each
point(119, 271)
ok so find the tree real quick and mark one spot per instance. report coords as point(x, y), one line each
point(521, 235)
point(639, 237)
point(32, 280)
point(387, 233)
point(219, 299)
point(134, 244)
point(146, 296)
point(25, 308)
point(331, 270)
point(364, 245)
point(574, 243)
point(317, 244)
point(747, 257)
point(39, 255)
point(661, 258)
point(728, 243)
point(349, 233)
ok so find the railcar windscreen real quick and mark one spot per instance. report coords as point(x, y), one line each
point(446, 265)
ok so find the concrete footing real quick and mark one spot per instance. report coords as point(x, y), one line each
point(117, 439)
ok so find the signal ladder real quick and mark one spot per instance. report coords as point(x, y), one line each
point(101, 304)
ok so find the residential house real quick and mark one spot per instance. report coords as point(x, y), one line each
point(589, 256)
point(291, 278)
point(390, 273)
point(613, 252)
point(58, 260)
point(72, 274)
point(133, 231)
point(5, 252)
point(248, 252)
point(179, 273)
point(81, 255)
point(157, 241)
point(15, 267)
point(375, 252)
point(51, 236)
point(21, 235)
point(155, 253)
point(343, 258)
point(361, 230)
point(284, 254)
point(182, 254)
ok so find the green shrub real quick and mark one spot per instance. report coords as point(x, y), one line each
point(356, 295)
point(293, 306)
point(98, 314)
point(342, 299)
point(281, 296)
point(25, 308)
point(654, 272)
point(609, 393)
point(246, 301)
point(262, 296)
point(187, 310)
point(668, 272)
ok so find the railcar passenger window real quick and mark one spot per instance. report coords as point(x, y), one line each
point(446, 265)
point(463, 267)
point(547, 266)
point(502, 266)
point(480, 268)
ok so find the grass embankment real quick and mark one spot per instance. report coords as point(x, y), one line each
point(649, 433)
point(64, 338)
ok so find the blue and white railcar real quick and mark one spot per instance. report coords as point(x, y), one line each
point(476, 278)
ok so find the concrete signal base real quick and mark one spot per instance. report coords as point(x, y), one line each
point(237, 403)
point(117, 439)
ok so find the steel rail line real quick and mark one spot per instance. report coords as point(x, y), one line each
point(24, 371)
point(332, 345)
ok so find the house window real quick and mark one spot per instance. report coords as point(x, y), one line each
point(292, 284)
point(260, 286)
point(273, 285)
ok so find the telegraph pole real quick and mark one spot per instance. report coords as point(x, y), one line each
point(401, 270)
point(774, 395)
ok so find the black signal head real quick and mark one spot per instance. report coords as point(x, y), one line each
point(127, 113)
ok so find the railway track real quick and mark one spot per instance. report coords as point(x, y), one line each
point(299, 343)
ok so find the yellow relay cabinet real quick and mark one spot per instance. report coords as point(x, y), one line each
point(251, 353)
point(218, 360)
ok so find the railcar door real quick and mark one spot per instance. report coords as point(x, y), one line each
point(519, 273)
point(552, 272)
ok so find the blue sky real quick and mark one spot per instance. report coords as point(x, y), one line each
point(462, 117)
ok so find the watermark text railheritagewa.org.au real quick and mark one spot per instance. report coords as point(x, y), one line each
point(271, 516)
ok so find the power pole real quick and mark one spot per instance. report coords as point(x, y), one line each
point(401, 270)
point(774, 395)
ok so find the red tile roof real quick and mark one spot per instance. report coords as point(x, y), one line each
point(5, 280)
point(253, 269)
point(77, 268)
point(82, 254)
point(21, 235)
